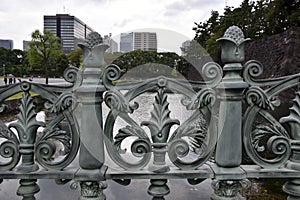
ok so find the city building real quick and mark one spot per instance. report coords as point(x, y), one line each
point(68, 28)
point(138, 40)
point(26, 46)
point(126, 42)
point(7, 44)
point(113, 45)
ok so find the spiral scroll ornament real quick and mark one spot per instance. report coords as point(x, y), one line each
point(252, 70)
point(203, 98)
point(115, 100)
point(178, 148)
point(269, 146)
point(72, 75)
point(57, 148)
point(257, 96)
point(63, 102)
point(213, 72)
point(9, 150)
point(140, 147)
point(111, 73)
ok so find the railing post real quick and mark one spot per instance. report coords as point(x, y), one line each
point(28, 188)
point(292, 187)
point(90, 96)
point(230, 93)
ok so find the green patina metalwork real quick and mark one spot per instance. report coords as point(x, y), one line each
point(207, 144)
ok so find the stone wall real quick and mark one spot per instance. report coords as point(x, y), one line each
point(279, 54)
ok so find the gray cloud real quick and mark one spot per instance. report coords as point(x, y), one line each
point(180, 6)
point(123, 22)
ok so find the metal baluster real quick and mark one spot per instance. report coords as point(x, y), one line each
point(230, 90)
point(90, 95)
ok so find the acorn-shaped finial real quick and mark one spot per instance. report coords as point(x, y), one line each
point(232, 44)
point(93, 50)
point(93, 39)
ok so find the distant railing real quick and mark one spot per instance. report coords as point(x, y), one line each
point(232, 108)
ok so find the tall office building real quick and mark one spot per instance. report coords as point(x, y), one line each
point(68, 28)
point(126, 42)
point(7, 44)
point(138, 40)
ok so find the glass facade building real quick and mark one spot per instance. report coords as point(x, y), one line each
point(68, 28)
point(126, 42)
point(7, 44)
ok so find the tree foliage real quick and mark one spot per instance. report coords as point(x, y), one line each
point(11, 61)
point(75, 57)
point(150, 62)
point(257, 19)
point(45, 51)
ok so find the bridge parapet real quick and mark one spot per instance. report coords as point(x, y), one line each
point(230, 111)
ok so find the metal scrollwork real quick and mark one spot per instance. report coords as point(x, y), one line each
point(49, 144)
point(26, 128)
point(115, 100)
point(213, 72)
point(72, 75)
point(110, 74)
point(54, 144)
point(201, 142)
point(258, 97)
point(193, 138)
point(203, 98)
point(252, 70)
point(8, 148)
point(268, 145)
point(178, 148)
point(63, 102)
point(160, 122)
point(140, 147)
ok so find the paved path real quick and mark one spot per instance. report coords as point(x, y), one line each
point(41, 80)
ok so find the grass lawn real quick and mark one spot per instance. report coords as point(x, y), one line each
point(20, 95)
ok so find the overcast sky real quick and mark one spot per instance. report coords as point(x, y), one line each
point(19, 18)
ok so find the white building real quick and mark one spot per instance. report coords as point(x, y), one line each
point(113, 45)
point(146, 41)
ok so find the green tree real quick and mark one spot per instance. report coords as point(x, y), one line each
point(59, 64)
point(136, 58)
point(257, 19)
point(281, 15)
point(110, 57)
point(75, 58)
point(11, 61)
point(44, 48)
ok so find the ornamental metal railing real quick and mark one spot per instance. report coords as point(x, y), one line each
point(230, 111)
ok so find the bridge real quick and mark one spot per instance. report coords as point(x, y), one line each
point(231, 111)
